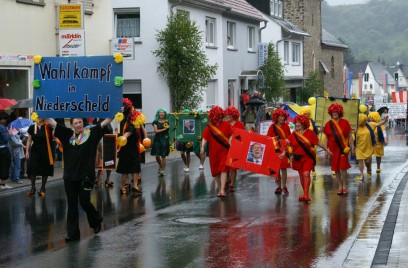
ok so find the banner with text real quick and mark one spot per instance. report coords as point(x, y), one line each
point(82, 87)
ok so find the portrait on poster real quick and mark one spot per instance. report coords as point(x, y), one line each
point(189, 126)
point(255, 153)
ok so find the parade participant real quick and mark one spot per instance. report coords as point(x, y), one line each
point(5, 157)
point(365, 143)
point(303, 141)
point(339, 141)
point(280, 129)
point(312, 126)
point(80, 146)
point(217, 134)
point(129, 161)
point(99, 156)
point(232, 116)
point(161, 144)
point(40, 154)
point(380, 138)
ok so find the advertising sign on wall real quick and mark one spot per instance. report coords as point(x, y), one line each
point(123, 46)
point(71, 16)
point(71, 43)
point(83, 87)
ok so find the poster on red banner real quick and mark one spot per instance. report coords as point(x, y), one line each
point(255, 153)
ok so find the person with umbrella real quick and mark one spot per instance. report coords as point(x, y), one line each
point(5, 157)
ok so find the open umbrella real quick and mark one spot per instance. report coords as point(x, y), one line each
point(381, 110)
point(20, 123)
point(255, 102)
point(6, 103)
point(25, 103)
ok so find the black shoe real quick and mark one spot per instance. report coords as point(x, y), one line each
point(97, 229)
point(70, 238)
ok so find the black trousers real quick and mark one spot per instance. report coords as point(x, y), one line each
point(5, 160)
point(75, 193)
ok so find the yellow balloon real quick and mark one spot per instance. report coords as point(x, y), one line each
point(122, 140)
point(311, 100)
point(363, 108)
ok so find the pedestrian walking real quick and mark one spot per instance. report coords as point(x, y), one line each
point(303, 142)
point(280, 129)
point(40, 154)
point(161, 143)
point(380, 138)
point(232, 116)
point(340, 143)
point(217, 134)
point(80, 146)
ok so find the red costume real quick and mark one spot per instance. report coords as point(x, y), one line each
point(339, 159)
point(305, 162)
point(281, 132)
point(217, 151)
point(238, 125)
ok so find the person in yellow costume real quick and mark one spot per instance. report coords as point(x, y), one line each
point(312, 126)
point(365, 142)
point(380, 138)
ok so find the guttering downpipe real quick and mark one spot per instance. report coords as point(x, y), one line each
point(177, 4)
point(260, 30)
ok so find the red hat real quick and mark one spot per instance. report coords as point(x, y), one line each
point(233, 112)
point(336, 108)
point(303, 119)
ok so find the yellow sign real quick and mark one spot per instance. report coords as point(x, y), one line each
point(350, 108)
point(71, 16)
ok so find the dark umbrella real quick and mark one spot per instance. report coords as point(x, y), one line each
point(381, 110)
point(255, 102)
point(26, 103)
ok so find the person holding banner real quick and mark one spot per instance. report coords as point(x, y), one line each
point(161, 143)
point(40, 151)
point(80, 147)
point(232, 116)
point(217, 133)
point(303, 141)
point(280, 129)
point(339, 141)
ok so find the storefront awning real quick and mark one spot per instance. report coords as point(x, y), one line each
point(250, 74)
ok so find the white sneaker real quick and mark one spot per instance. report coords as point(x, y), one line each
point(186, 169)
point(5, 186)
point(201, 167)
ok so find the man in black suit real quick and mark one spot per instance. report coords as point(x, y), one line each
point(256, 154)
point(188, 127)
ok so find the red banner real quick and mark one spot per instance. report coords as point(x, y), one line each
point(254, 152)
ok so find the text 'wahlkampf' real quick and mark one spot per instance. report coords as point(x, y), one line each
point(73, 71)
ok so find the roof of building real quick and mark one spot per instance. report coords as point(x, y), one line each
point(378, 69)
point(238, 7)
point(330, 40)
point(358, 67)
point(288, 26)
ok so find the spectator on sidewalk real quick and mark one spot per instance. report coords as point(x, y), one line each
point(249, 117)
point(244, 98)
point(5, 157)
point(17, 153)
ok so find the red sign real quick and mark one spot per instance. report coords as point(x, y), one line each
point(254, 152)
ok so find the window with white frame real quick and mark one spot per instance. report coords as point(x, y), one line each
point(231, 34)
point(296, 53)
point(251, 38)
point(210, 31)
point(127, 23)
point(286, 52)
point(276, 7)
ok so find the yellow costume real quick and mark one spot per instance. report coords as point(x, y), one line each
point(364, 145)
point(379, 148)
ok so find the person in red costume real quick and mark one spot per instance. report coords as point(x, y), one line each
point(339, 139)
point(218, 134)
point(303, 142)
point(232, 116)
point(280, 129)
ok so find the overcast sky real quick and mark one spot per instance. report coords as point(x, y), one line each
point(345, 2)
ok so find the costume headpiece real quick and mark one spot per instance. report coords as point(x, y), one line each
point(233, 112)
point(305, 110)
point(303, 119)
point(336, 108)
point(127, 106)
point(362, 118)
point(216, 113)
point(156, 117)
point(277, 113)
point(375, 117)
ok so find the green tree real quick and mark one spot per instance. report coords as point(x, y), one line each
point(313, 85)
point(273, 73)
point(182, 62)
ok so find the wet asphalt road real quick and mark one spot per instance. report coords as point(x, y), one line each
point(179, 221)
